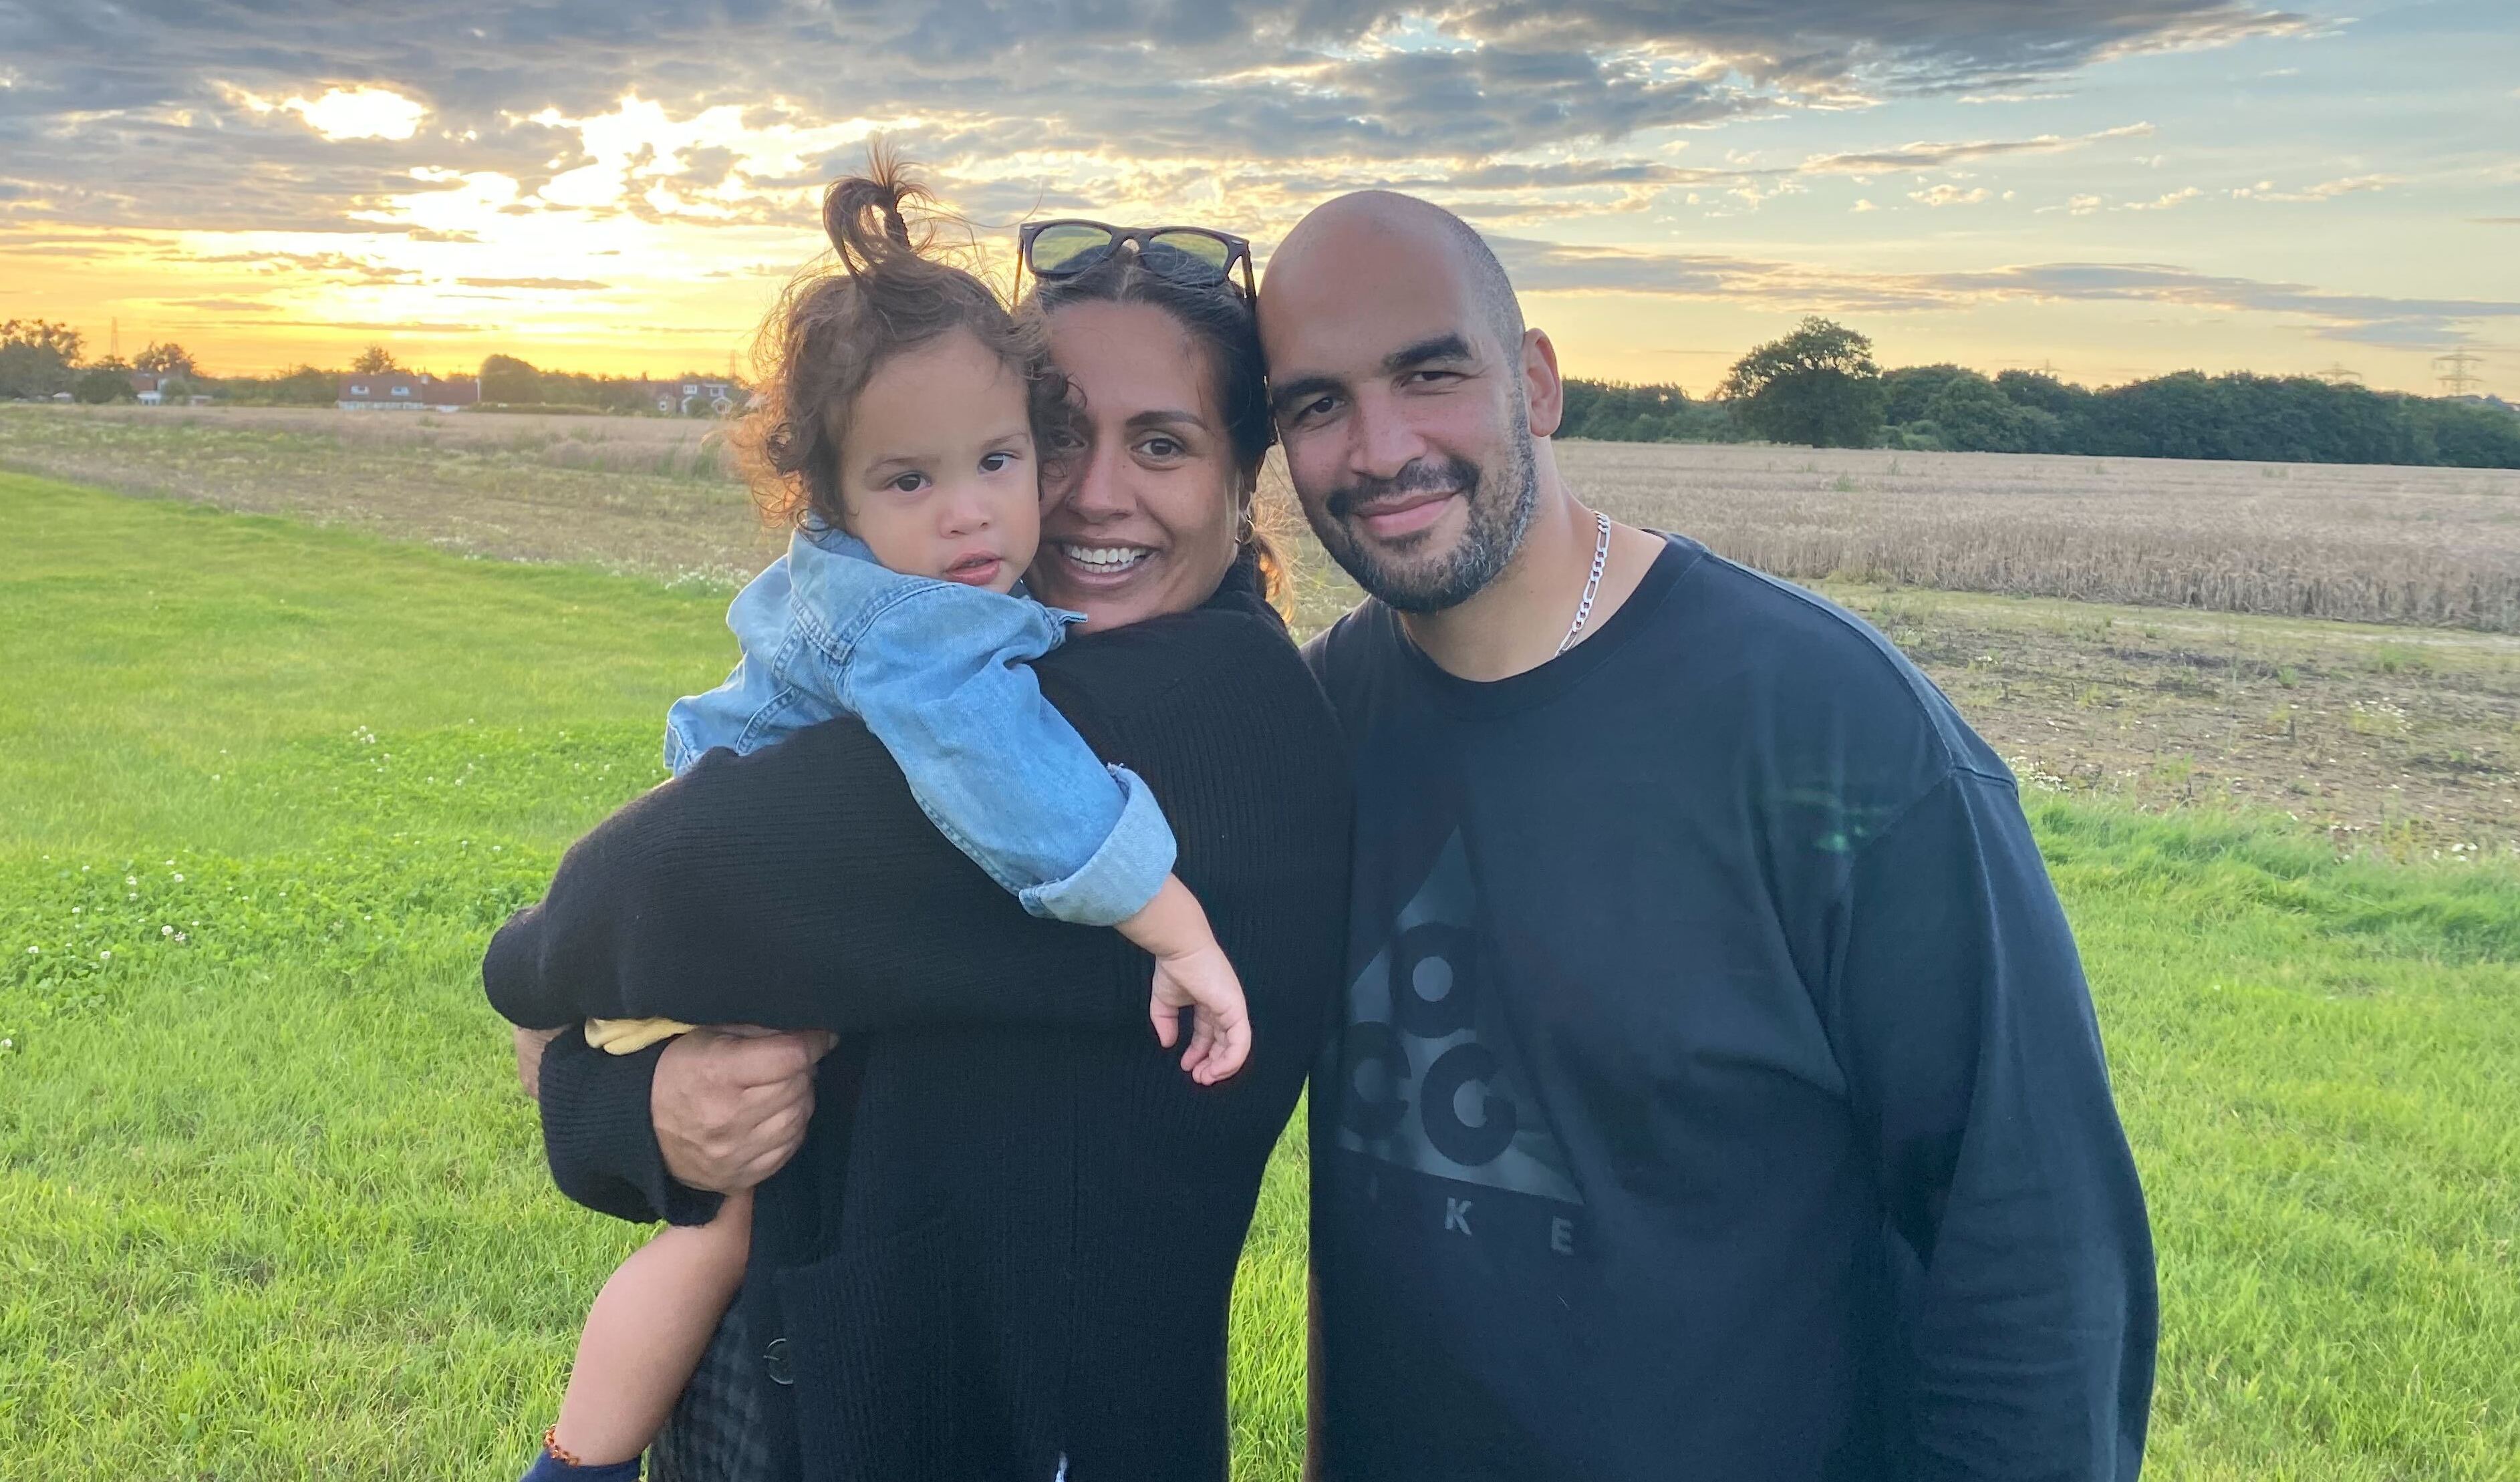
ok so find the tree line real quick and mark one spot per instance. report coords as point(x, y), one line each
point(41, 360)
point(1818, 386)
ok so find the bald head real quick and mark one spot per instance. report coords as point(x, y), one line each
point(1391, 226)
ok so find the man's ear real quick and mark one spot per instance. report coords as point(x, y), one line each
point(1543, 391)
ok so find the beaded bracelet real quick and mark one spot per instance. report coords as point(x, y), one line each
point(559, 1453)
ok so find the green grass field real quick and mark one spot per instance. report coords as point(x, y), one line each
point(271, 1205)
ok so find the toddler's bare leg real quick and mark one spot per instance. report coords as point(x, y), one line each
point(648, 1328)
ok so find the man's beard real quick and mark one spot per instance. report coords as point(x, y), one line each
point(1499, 516)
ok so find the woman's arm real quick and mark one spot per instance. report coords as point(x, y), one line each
point(943, 675)
point(801, 886)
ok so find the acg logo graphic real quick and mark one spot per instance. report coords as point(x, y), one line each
point(1429, 1077)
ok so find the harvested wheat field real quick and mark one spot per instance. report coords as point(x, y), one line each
point(2163, 632)
point(2393, 545)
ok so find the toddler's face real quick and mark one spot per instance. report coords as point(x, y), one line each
point(938, 472)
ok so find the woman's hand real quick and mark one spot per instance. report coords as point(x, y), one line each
point(731, 1105)
point(531, 1044)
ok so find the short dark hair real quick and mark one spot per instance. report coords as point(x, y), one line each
point(887, 289)
point(1220, 321)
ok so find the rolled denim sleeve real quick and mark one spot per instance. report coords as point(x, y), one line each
point(941, 674)
point(1123, 874)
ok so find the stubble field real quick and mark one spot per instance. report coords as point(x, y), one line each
point(270, 1205)
point(2036, 590)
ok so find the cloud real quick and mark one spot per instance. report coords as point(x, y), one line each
point(1540, 267)
point(2329, 189)
point(2166, 200)
point(2495, 220)
point(1948, 195)
point(1923, 155)
point(360, 113)
point(559, 285)
point(175, 106)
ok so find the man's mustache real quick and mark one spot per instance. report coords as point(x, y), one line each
point(1452, 475)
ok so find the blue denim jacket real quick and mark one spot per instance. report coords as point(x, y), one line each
point(940, 673)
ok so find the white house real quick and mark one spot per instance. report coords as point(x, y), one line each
point(402, 391)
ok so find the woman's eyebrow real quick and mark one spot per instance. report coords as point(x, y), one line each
point(1169, 417)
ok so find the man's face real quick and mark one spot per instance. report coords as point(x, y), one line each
point(1404, 420)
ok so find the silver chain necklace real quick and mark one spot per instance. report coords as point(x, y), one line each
point(1592, 587)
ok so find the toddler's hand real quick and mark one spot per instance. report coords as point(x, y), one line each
point(1203, 980)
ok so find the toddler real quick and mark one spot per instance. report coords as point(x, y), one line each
point(903, 439)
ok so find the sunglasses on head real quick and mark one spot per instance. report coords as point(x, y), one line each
point(1190, 255)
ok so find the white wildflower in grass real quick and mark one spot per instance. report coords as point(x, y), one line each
point(106, 956)
point(179, 880)
point(179, 937)
point(35, 951)
point(131, 879)
point(166, 931)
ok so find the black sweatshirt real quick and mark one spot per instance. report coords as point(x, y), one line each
point(1022, 1250)
point(1716, 1093)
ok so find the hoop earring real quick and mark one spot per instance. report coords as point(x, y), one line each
point(1250, 527)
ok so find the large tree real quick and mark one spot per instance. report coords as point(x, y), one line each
point(1816, 386)
point(1972, 415)
point(375, 360)
point(35, 358)
point(506, 379)
point(103, 384)
point(1908, 389)
point(167, 360)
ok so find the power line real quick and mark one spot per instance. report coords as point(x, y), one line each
point(2457, 372)
point(2340, 375)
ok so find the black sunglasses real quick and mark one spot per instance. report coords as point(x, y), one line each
point(1190, 255)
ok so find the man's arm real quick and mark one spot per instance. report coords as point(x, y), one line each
point(659, 1135)
point(1958, 1005)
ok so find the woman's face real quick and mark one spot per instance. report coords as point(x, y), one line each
point(1140, 519)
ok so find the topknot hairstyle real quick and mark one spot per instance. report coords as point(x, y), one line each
point(887, 288)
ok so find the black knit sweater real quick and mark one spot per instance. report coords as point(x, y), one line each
point(1010, 1237)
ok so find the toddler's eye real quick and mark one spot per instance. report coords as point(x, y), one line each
point(907, 484)
point(997, 462)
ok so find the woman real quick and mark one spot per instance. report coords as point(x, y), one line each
point(1008, 1244)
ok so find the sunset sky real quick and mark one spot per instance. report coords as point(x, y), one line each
point(2114, 188)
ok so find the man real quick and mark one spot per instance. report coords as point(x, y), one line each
point(1716, 1093)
